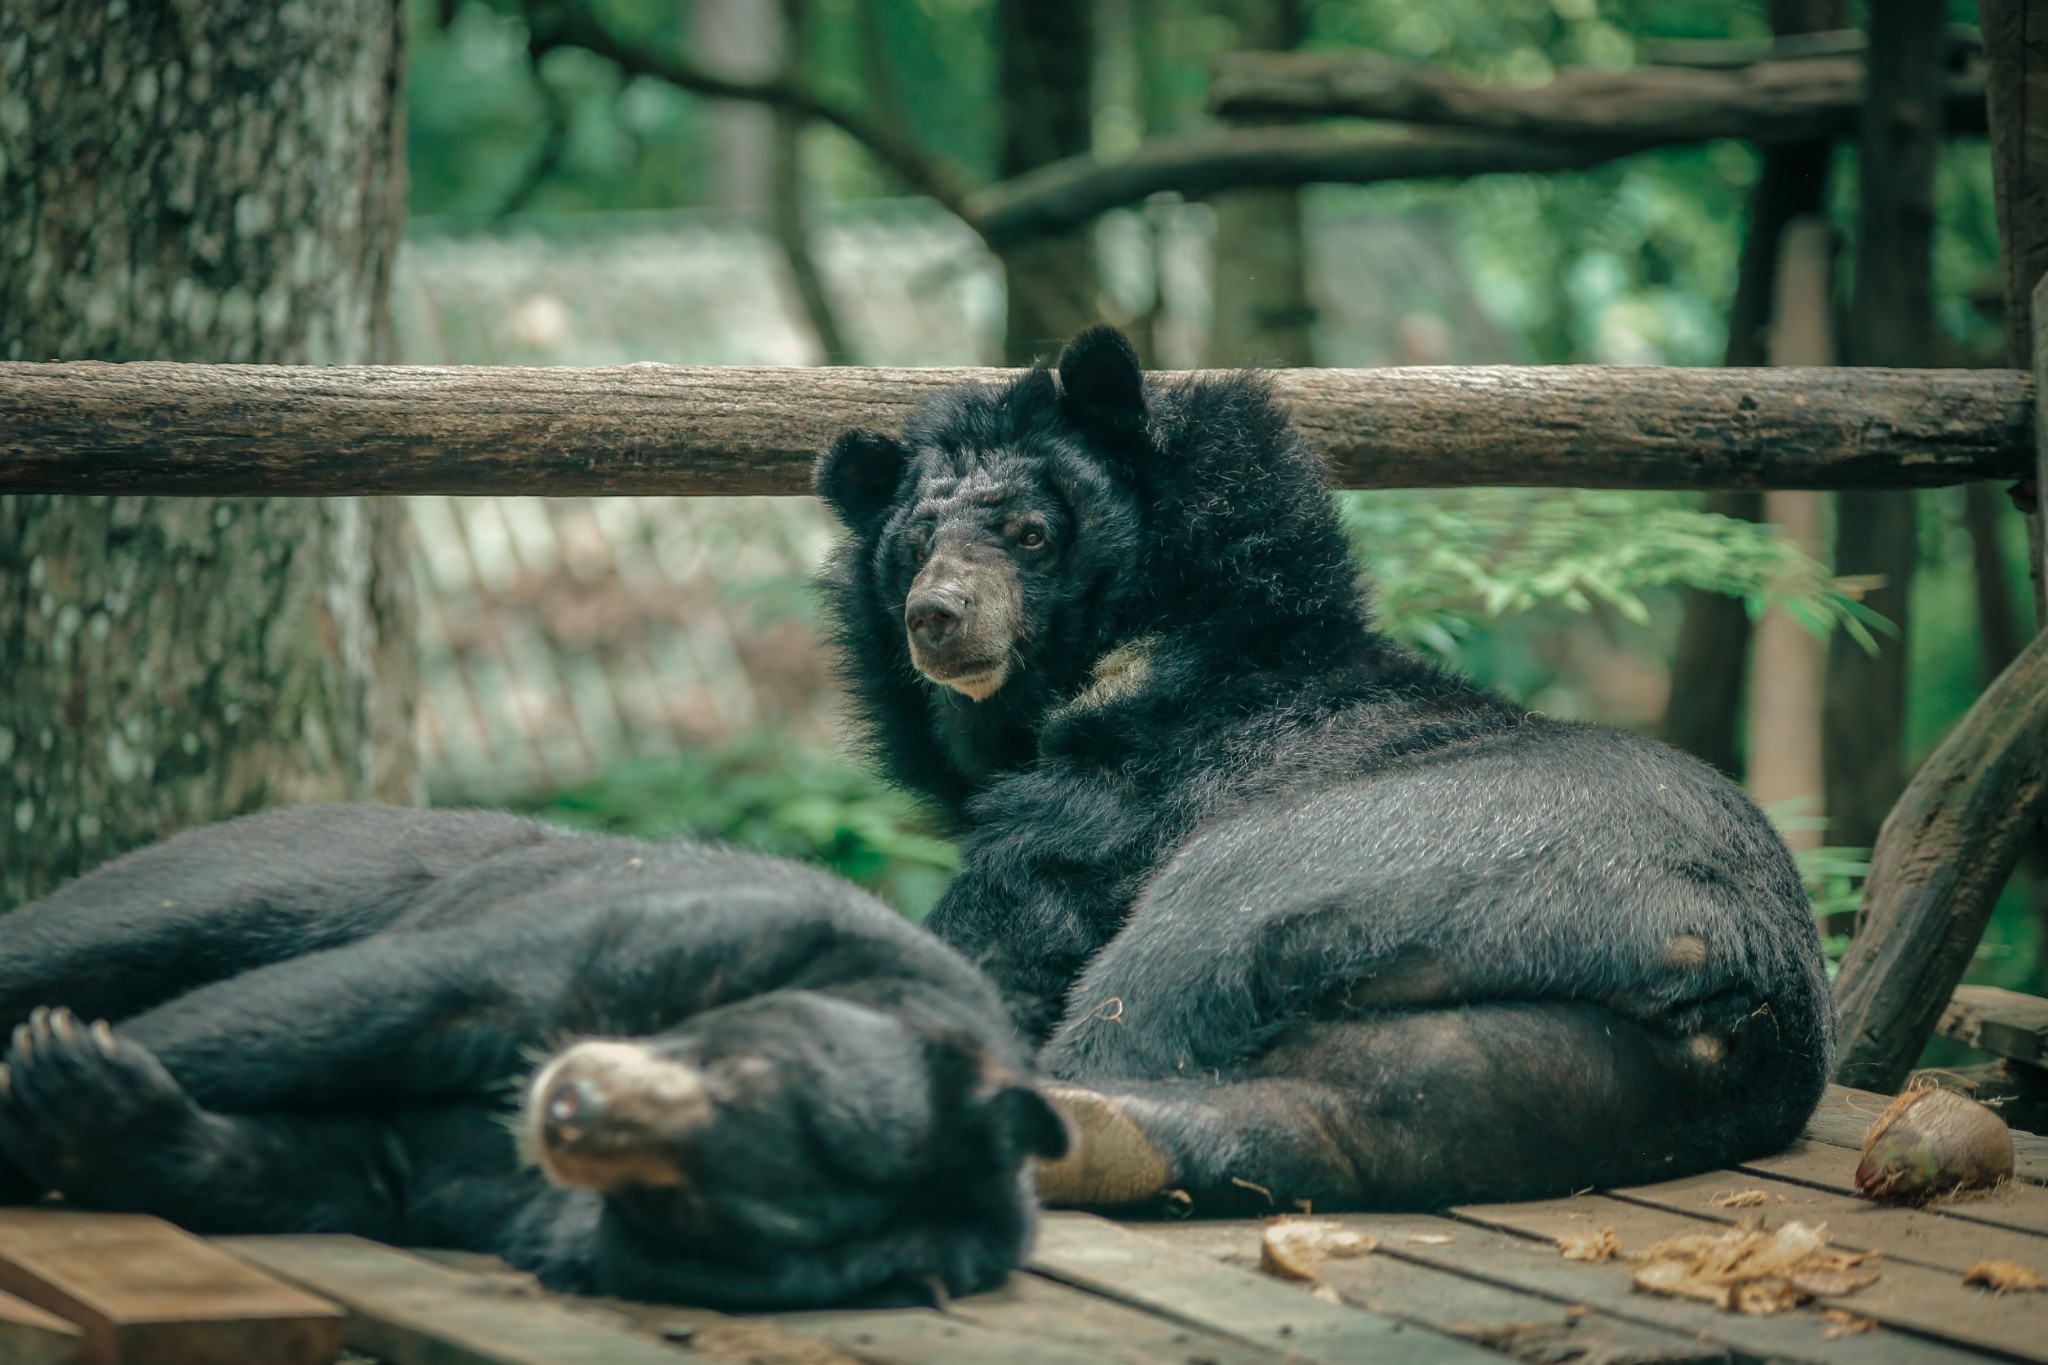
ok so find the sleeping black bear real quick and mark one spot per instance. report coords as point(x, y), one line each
point(1301, 917)
point(752, 1086)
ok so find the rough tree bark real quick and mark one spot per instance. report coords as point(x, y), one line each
point(1262, 310)
point(1045, 82)
point(1891, 322)
point(1711, 664)
point(222, 183)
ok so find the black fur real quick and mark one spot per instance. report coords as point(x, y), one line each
point(1327, 920)
point(324, 1017)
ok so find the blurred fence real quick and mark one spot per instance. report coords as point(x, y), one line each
point(562, 636)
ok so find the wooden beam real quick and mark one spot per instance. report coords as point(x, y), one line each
point(240, 430)
point(146, 1293)
point(1767, 102)
point(1944, 855)
point(2003, 1023)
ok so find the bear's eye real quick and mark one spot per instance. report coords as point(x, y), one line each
point(1031, 537)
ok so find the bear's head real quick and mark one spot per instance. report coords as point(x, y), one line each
point(794, 1149)
point(1004, 523)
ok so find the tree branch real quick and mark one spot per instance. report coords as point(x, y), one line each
point(1062, 196)
point(568, 25)
point(1766, 102)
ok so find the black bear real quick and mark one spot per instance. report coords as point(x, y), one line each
point(752, 1085)
point(1301, 916)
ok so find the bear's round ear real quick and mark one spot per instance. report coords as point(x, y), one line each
point(1101, 381)
point(858, 476)
point(1030, 1118)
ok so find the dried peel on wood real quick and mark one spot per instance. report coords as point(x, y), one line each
point(1739, 1199)
point(1295, 1248)
point(1842, 1323)
point(1931, 1142)
point(1588, 1245)
point(1752, 1269)
point(2005, 1277)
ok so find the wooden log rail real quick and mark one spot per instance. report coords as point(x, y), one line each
point(230, 430)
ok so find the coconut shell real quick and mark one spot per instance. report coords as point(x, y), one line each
point(1932, 1142)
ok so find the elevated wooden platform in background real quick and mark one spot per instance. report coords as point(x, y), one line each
point(1480, 1284)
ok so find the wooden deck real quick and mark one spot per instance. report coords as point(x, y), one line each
point(1480, 1284)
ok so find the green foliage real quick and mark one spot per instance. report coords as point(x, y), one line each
point(1447, 562)
point(766, 793)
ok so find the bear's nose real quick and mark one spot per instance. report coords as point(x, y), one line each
point(571, 1108)
point(933, 621)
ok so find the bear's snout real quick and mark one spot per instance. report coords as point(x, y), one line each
point(606, 1115)
point(961, 617)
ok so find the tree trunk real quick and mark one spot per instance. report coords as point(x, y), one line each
point(1788, 661)
point(208, 183)
point(1262, 310)
point(1045, 54)
point(1891, 322)
point(1711, 664)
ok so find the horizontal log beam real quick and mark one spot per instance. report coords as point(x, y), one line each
point(1768, 102)
point(233, 430)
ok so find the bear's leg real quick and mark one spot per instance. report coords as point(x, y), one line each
point(224, 898)
point(98, 1118)
point(1423, 1109)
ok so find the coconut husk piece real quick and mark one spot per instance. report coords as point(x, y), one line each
point(1589, 1245)
point(1751, 1268)
point(1931, 1142)
point(2005, 1277)
point(1296, 1248)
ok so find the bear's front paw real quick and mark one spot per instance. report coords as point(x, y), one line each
point(78, 1106)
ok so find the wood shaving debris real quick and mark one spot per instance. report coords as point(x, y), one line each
point(1752, 1269)
point(1295, 1248)
point(1842, 1323)
point(1739, 1199)
point(1431, 1239)
point(2005, 1277)
point(1327, 1295)
point(1589, 1245)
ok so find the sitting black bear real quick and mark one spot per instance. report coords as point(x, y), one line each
point(786, 1096)
point(1306, 918)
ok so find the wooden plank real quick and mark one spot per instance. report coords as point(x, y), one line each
point(1929, 1303)
point(922, 1336)
point(408, 1311)
point(30, 1336)
point(1521, 1324)
point(1534, 1267)
point(2015, 1204)
point(230, 430)
point(1915, 1235)
point(1032, 1305)
point(147, 1293)
point(1100, 1256)
point(1845, 1115)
